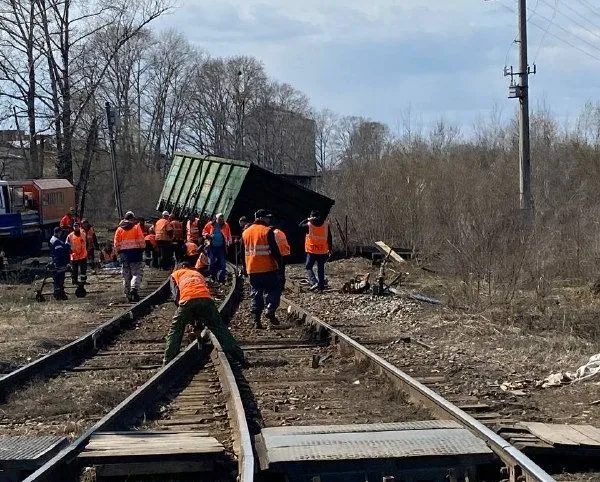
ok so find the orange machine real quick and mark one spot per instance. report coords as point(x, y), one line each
point(30, 209)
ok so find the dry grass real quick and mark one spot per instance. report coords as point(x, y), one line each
point(29, 329)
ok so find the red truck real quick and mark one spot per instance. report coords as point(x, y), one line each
point(29, 211)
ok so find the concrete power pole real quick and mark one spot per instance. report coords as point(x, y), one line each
point(520, 90)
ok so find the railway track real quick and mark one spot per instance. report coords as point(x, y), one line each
point(186, 417)
point(307, 382)
point(120, 316)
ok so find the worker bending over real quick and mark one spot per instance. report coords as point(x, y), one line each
point(317, 245)
point(263, 260)
point(129, 245)
point(195, 305)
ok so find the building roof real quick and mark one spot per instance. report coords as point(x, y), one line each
point(52, 183)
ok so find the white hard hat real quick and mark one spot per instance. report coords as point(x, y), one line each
point(165, 213)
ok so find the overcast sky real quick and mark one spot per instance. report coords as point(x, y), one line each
point(374, 58)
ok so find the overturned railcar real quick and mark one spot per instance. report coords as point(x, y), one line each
point(209, 185)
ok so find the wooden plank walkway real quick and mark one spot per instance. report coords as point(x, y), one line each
point(565, 434)
point(145, 444)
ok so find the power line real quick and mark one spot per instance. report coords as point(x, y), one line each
point(595, 47)
point(589, 7)
point(573, 20)
point(583, 16)
point(548, 25)
point(553, 34)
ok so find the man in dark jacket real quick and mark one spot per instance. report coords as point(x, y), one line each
point(129, 245)
point(61, 255)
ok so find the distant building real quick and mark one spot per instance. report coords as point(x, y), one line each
point(284, 143)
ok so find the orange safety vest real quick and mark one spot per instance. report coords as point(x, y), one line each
point(107, 255)
point(202, 261)
point(258, 253)
point(78, 245)
point(191, 249)
point(316, 239)
point(177, 230)
point(282, 242)
point(129, 238)
point(193, 233)
point(151, 238)
point(209, 229)
point(191, 284)
point(162, 228)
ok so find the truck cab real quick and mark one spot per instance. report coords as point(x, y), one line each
point(30, 209)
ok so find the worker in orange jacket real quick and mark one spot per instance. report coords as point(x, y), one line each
point(196, 306)
point(67, 221)
point(263, 260)
point(318, 245)
point(219, 234)
point(164, 239)
point(285, 250)
point(202, 263)
point(191, 253)
point(78, 242)
point(192, 228)
point(129, 245)
point(151, 249)
point(92, 242)
point(178, 237)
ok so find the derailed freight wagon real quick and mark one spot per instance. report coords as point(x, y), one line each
point(209, 185)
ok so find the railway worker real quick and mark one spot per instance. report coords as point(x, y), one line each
point(129, 245)
point(108, 257)
point(195, 305)
point(151, 248)
point(61, 253)
point(78, 242)
point(219, 234)
point(178, 237)
point(317, 244)
point(68, 220)
point(92, 242)
point(192, 229)
point(202, 263)
point(285, 250)
point(191, 253)
point(263, 260)
point(164, 240)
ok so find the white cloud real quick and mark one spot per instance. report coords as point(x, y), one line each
point(374, 58)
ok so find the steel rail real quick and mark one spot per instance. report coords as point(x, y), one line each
point(56, 468)
point(82, 346)
point(519, 465)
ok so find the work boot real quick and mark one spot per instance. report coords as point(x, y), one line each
point(272, 318)
point(128, 296)
point(257, 324)
point(135, 297)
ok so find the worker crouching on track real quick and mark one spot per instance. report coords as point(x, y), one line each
point(60, 252)
point(263, 260)
point(202, 262)
point(129, 245)
point(78, 242)
point(195, 305)
point(219, 234)
point(317, 245)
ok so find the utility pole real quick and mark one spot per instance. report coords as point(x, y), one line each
point(111, 120)
point(520, 90)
